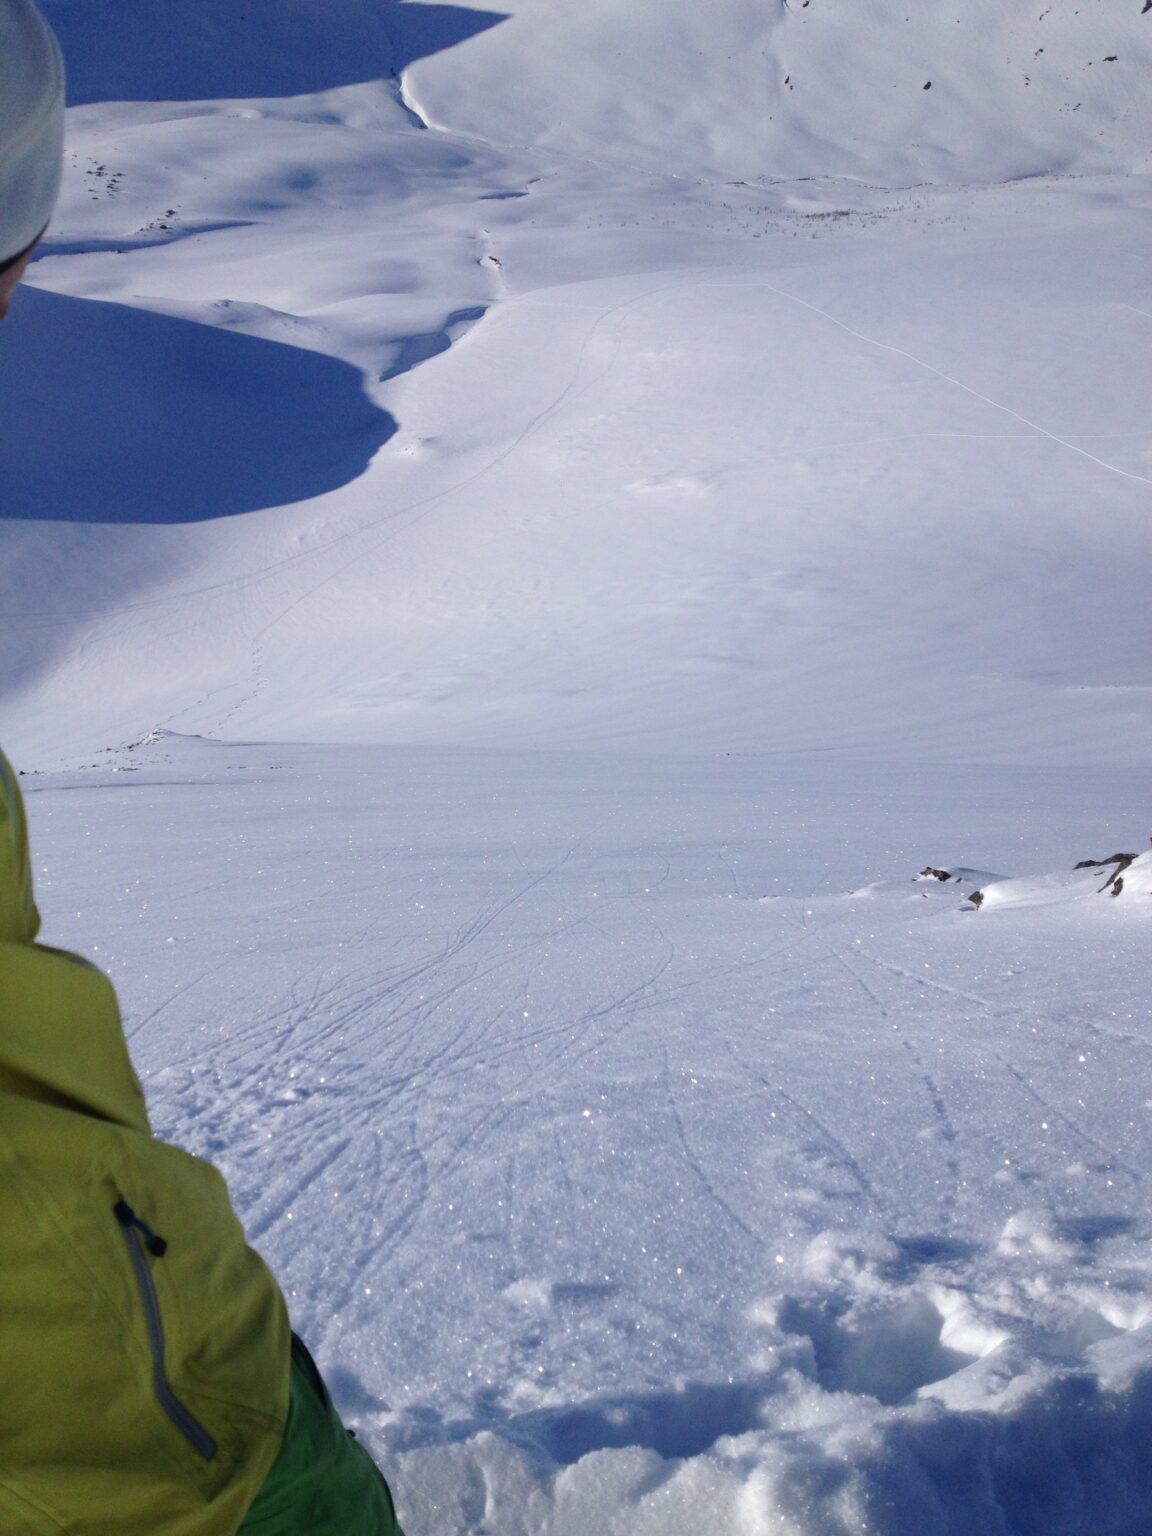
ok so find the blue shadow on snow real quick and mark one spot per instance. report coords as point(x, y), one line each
point(154, 50)
point(426, 345)
point(115, 415)
point(675, 1424)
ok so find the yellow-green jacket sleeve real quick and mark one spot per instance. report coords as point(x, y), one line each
point(145, 1345)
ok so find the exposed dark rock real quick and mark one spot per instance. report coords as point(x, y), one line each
point(1113, 882)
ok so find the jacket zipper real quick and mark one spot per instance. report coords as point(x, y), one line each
point(138, 1237)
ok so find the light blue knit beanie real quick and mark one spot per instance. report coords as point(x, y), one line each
point(31, 125)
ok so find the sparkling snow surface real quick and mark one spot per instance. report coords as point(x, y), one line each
point(672, 482)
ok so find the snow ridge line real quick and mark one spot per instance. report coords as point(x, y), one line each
point(408, 102)
point(415, 117)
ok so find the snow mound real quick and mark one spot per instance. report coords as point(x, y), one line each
point(957, 874)
point(1126, 876)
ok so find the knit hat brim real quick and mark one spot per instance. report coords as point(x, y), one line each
point(31, 125)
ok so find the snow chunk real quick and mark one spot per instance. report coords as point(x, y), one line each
point(1035, 1232)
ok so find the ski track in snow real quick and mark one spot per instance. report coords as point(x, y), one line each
point(968, 389)
point(574, 1107)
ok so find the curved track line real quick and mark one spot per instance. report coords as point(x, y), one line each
point(968, 389)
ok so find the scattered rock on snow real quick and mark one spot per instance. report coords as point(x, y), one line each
point(1130, 877)
point(1121, 860)
point(960, 874)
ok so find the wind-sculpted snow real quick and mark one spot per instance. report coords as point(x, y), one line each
point(631, 1166)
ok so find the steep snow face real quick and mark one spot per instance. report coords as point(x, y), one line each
point(887, 91)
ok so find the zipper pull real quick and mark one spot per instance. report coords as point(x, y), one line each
point(128, 1219)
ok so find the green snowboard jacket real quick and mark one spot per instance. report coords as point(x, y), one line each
point(144, 1347)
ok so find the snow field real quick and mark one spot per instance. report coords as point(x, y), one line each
point(683, 493)
point(625, 1161)
point(645, 530)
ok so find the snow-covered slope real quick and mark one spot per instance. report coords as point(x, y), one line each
point(724, 413)
point(655, 493)
point(884, 90)
point(849, 472)
point(888, 91)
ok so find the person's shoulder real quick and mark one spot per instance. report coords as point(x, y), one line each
point(19, 919)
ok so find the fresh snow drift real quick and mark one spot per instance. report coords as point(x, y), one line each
point(673, 482)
